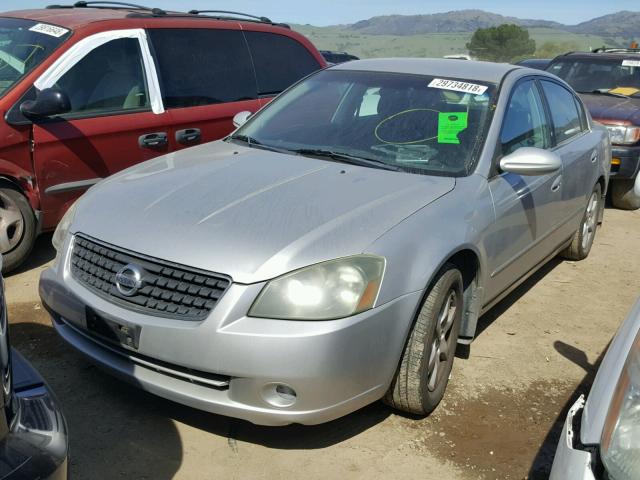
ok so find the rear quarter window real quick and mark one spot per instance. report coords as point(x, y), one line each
point(280, 61)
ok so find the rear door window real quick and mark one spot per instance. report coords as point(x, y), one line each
point(564, 111)
point(202, 66)
point(280, 61)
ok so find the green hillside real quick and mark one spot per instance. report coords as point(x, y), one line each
point(434, 44)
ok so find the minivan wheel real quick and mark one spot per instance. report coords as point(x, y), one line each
point(583, 238)
point(426, 363)
point(623, 195)
point(17, 228)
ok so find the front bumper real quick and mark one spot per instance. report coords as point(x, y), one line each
point(230, 363)
point(570, 462)
point(629, 162)
point(37, 444)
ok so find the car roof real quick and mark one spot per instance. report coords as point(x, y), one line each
point(73, 18)
point(604, 55)
point(453, 68)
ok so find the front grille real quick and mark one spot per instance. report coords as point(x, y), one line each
point(167, 290)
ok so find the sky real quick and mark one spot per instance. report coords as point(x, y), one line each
point(330, 12)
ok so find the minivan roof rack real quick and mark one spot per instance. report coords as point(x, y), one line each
point(228, 12)
point(109, 4)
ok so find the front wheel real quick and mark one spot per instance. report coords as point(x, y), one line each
point(583, 238)
point(17, 228)
point(426, 362)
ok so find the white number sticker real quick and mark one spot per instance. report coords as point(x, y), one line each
point(458, 86)
point(51, 30)
point(631, 63)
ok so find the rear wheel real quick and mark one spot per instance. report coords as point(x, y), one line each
point(623, 194)
point(583, 238)
point(426, 363)
point(17, 228)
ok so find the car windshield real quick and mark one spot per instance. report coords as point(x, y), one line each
point(413, 123)
point(24, 44)
point(619, 76)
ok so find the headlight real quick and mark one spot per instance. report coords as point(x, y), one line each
point(623, 134)
point(620, 443)
point(325, 291)
point(63, 228)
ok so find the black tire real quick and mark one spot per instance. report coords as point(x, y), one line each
point(582, 240)
point(17, 228)
point(415, 389)
point(623, 195)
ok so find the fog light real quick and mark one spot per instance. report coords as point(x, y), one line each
point(279, 395)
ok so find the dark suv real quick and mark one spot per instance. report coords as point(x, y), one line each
point(608, 80)
point(92, 88)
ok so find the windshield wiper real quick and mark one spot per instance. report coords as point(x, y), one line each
point(252, 142)
point(346, 158)
point(605, 92)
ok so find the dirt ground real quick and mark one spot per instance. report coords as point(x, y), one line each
point(501, 417)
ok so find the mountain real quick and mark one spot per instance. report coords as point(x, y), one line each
point(623, 24)
point(455, 21)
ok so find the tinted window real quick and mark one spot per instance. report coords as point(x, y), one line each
point(525, 121)
point(564, 111)
point(202, 66)
point(596, 74)
point(280, 61)
point(110, 78)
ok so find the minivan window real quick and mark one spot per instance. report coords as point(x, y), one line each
point(564, 111)
point(24, 44)
point(280, 61)
point(202, 66)
point(525, 122)
point(108, 79)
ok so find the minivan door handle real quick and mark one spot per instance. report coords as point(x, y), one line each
point(188, 136)
point(153, 140)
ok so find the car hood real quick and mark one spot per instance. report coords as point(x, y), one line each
point(607, 107)
point(249, 213)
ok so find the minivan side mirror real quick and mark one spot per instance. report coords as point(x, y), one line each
point(241, 118)
point(49, 102)
point(531, 161)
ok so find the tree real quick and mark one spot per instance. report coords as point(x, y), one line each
point(504, 43)
point(553, 49)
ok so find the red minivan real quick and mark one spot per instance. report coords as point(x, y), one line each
point(89, 89)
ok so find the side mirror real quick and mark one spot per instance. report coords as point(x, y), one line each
point(49, 102)
point(241, 118)
point(531, 161)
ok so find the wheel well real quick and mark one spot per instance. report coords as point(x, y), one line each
point(603, 185)
point(8, 182)
point(469, 265)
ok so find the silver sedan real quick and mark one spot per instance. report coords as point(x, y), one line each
point(335, 248)
point(601, 436)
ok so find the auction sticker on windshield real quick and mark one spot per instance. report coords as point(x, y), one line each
point(51, 30)
point(631, 63)
point(457, 86)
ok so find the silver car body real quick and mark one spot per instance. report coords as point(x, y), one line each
point(282, 212)
point(577, 451)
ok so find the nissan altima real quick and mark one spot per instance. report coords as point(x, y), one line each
point(336, 247)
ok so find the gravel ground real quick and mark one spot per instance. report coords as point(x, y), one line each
point(501, 417)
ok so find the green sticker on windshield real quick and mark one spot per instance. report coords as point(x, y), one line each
point(450, 124)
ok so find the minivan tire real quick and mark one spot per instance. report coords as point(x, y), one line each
point(417, 388)
point(623, 195)
point(17, 228)
point(582, 240)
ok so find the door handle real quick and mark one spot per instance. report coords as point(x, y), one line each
point(153, 140)
point(188, 136)
point(594, 157)
point(555, 186)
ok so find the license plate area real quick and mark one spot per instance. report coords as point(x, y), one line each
point(118, 332)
